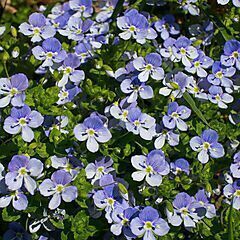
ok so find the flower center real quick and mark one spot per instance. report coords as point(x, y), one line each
point(149, 169)
point(148, 67)
point(91, 132)
point(36, 30)
point(206, 145)
point(22, 121)
point(235, 54)
point(196, 89)
point(59, 188)
point(100, 169)
point(182, 51)
point(219, 74)
point(218, 98)
point(237, 193)
point(125, 221)
point(49, 55)
point(13, 91)
point(184, 211)
point(68, 167)
point(197, 64)
point(68, 70)
point(65, 94)
point(136, 123)
point(22, 171)
point(148, 225)
point(132, 28)
point(110, 201)
point(175, 115)
point(79, 31)
point(82, 8)
point(125, 114)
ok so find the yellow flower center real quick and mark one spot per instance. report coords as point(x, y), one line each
point(91, 132)
point(206, 145)
point(49, 55)
point(182, 51)
point(36, 30)
point(149, 169)
point(68, 70)
point(59, 188)
point(148, 225)
point(132, 28)
point(235, 54)
point(22, 171)
point(137, 123)
point(197, 64)
point(148, 67)
point(100, 169)
point(237, 193)
point(13, 91)
point(219, 74)
point(22, 121)
point(110, 201)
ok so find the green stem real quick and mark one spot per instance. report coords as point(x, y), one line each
point(230, 223)
point(5, 68)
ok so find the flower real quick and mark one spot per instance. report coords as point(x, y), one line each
point(231, 56)
point(82, 7)
point(199, 64)
point(22, 119)
point(69, 164)
point(217, 96)
point(180, 165)
point(18, 199)
point(133, 24)
point(190, 7)
point(50, 52)
point(184, 211)
point(152, 167)
point(93, 130)
point(76, 28)
point(148, 224)
point(16, 231)
point(135, 87)
point(167, 26)
point(140, 123)
point(183, 51)
point(21, 170)
point(37, 28)
point(207, 145)
point(224, 2)
point(233, 191)
point(121, 221)
point(70, 63)
point(235, 166)
point(175, 116)
point(202, 198)
point(68, 93)
point(59, 188)
point(13, 89)
point(149, 66)
point(101, 167)
point(221, 75)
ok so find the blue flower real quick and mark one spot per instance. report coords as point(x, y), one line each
point(152, 167)
point(180, 165)
point(148, 224)
point(235, 166)
point(207, 145)
point(22, 119)
point(175, 116)
point(93, 131)
point(232, 191)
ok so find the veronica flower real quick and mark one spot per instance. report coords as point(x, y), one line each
point(108, 199)
point(167, 26)
point(232, 191)
point(235, 166)
point(37, 28)
point(175, 85)
point(70, 63)
point(195, 88)
point(175, 116)
point(101, 167)
point(167, 50)
point(106, 11)
point(163, 135)
point(180, 165)
point(51, 52)
point(231, 56)
point(84, 51)
point(120, 111)
point(76, 28)
point(202, 198)
point(199, 64)
point(59, 188)
point(82, 8)
point(133, 25)
point(217, 96)
point(70, 164)
point(12, 90)
point(134, 87)
point(207, 145)
point(184, 51)
point(23, 120)
point(16, 231)
point(184, 211)
point(224, 2)
point(93, 130)
point(190, 6)
point(221, 75)
point(149, 224)
point(18, 199)
point(149, 66)
point(68, 93)
point(121, 221)
point(152, 167)
point(140, 123)
point(21, 170)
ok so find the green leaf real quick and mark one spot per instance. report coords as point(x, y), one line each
point(9, 216)
point(193, 106)
point(230, 224)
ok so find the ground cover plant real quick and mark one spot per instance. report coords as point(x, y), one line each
point(120, 120)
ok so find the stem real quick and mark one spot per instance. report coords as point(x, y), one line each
point(126, 46)
point(5, 68)
point(230, 223)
